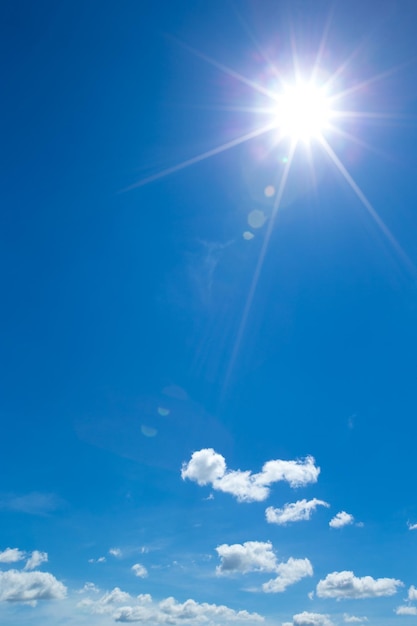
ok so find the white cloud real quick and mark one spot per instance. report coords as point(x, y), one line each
point(207, 467)
point(12, 555)
point(406, 610)
point(168, 611)
point(35, 559)
point(16, 586)
point(353, 619)
point(311, 619)
point(346, 585)
point(289, 573)
point(139, 570)
point(293, 512)
point(251, 556)
point(411, 526)
point(115, 552)
point(341, 519)
point(101, 559)
point(88, 588)
point(412, 593)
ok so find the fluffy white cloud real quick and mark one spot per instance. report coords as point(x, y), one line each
point(12, 555)
point(251, 556)
point(346, 585)
point(293, 512)
point(353, 619)
point(35, 559)
point(341, 519)
point(16, 586)
point(412, 593)
point(411, 526)
point(207, 467)
point(168, 611)
point(139, 570)
point(309, 619)
point(289, 573)
point(406, 610)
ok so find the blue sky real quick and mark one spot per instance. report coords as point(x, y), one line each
point(207, 388)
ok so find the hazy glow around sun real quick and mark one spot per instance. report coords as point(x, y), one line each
point(303, 112)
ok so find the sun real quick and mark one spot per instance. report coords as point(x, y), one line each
point(303, 112)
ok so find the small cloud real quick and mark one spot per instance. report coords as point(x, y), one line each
point(310, 595)
point(12, 555)
point(139, 570)
point(289, 573)
point(341, 519)
point(116, 552)
point(406, 610)
point(89, 588)
point(412, 593)
point(101, 559)
point(209, 497)
point(346, 585)
point(36, 559)
point(352, 619)
point(411, 526)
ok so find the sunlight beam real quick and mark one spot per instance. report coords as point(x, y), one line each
point(200, 157)
point(359, 193)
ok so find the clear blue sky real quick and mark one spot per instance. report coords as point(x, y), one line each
point(165, 329)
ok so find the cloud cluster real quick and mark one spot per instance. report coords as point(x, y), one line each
point(29, 587)
point(125, 608)
point(353, 619)
point(412, 593)
point(341, 519)
point(346, 585)
point(207, 467)
point(293, 512)
point(258, 556)
point(14, 555)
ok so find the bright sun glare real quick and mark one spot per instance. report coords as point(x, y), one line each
point(303, 112)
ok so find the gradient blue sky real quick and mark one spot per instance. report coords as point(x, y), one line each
point(132, 339)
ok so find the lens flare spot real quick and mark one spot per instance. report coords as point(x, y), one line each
point(147, 431)
point(163, 412)
point(256, 218)
point(269, 191)
point(248, 235)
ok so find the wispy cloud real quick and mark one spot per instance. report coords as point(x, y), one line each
point(346, 585)
point(353, 619)
point(411, 526)
point(33, 503)
point(293, 512)
point(207, 467)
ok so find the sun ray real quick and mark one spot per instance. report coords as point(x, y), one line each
point(227, 70)
point(259, 263)
point(200, 157)
point(359, 193)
